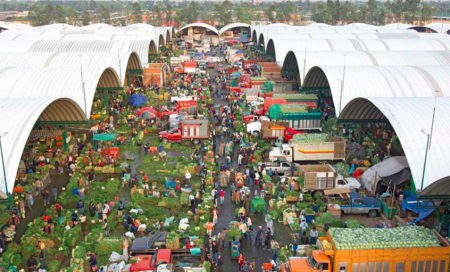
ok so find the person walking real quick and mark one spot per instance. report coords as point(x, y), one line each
point(295, 245)
point(303, 227)
point(106, 228)
point(38, 185)
point(222, 196)
point(80, 207)
point(259, 236)
point(30, 201)
point(209, 228)
point(220, 262)
point(274, 246)
point(215, 251)
point(46, 196)
point(304, 239)
point(215, 215)
point(313, 234)
point(54, 194)
point(267, 240)
point(58, 209)
point(240, 261)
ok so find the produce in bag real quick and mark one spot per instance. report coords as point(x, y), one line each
point(310, 138)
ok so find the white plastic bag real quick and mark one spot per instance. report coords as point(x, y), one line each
point(115, 257)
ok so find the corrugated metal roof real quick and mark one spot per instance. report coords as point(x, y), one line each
point(56, 83)
point(18, 119)
point(409, 116)
point(379, 82)
point(231, 26)
point(296, 59)
point(142, 48)
point(209, 27)
point(129, 60)
point(439, 27)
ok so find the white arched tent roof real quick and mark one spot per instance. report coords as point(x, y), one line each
point(56, 82)
point(409, 116)
point(18, 118)
point(439, 27)
point(231, 26)
point(142, 48)
point(295, 60)
point(119, 62)
point(283, 46)
point(11, 27)
point(379, 82)
point(53, 26)
point(202, 25)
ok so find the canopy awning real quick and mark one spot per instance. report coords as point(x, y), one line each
point(394, 170)
point(104, 137)
point(423, 207)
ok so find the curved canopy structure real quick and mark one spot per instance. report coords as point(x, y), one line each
point(231, 26)
point(57, 82)
point(379, 82)
point(15, 27)
point(281, 47)
point(199, 25)
point(409, 116)
point(439, 27)
point(18, 118)
point(119, 62)
point(142, 48)
point(296, 61)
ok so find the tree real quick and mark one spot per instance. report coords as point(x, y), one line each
point(270, 13)
point(258, 17)
point(72, 16)
point(158, 15)
point(426, 12)
point(34, 15)
point(280, 16)
point(193, 12)
point(223, 15)
point(86, 18)
point(126, 12)
point(330, 11)
point(382, 16)
point(372, 10)
point(411, 8)
point(169, 10)
point(319, 12)
point(60, 14)
point(137, 12)
point(243, 13)
point(396, 6)
point(105, 15)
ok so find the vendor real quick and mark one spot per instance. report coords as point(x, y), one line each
point(49, 149)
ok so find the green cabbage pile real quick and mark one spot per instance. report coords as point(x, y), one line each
point(374, 238)
point(310, 138)
point(293, 108)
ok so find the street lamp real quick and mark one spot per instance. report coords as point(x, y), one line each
point(426, 154)
point(342, 85)
point(3, 161)
point(82, 86)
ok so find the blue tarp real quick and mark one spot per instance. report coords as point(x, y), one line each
point(423, 208)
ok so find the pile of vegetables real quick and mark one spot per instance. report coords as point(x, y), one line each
point(310, 138)
point(352, 224)
point(311, 97)
point(374, 238)
point(258, 204)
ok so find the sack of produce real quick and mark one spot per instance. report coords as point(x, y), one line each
point(258, 204)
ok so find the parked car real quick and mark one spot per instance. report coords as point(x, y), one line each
point(210, 64)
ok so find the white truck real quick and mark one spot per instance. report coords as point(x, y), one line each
point(255, 127)
point(251, 95)
point(182, 97)
point(325, 151)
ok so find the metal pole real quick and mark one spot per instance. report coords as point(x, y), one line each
point(425, 162)
point(3, 166)
point(82, 85)
point(120, 66)
point(342, 85)
point(304, 65)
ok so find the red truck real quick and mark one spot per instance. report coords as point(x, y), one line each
point(165, 113)
point(269, 101)
point(194, 130)
point(251, 63)
point(165, 260)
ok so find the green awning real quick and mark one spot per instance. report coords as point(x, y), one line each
point(104, 137)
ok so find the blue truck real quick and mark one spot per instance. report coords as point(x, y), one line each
point(353, 203)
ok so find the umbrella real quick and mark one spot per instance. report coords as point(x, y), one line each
point(244, 145)
point(235, 75)
point(137, 100)
point(148, 115)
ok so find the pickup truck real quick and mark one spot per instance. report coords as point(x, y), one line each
point(220, 68)
point(354, 203)
point(167, 260)
point(178, 69)
point(194, 130)
point(211, 64)
point(165, 113)
point(282, 168)
point(202, 65)
point(182, 97)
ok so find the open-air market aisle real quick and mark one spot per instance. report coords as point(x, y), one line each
point(227, 214)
